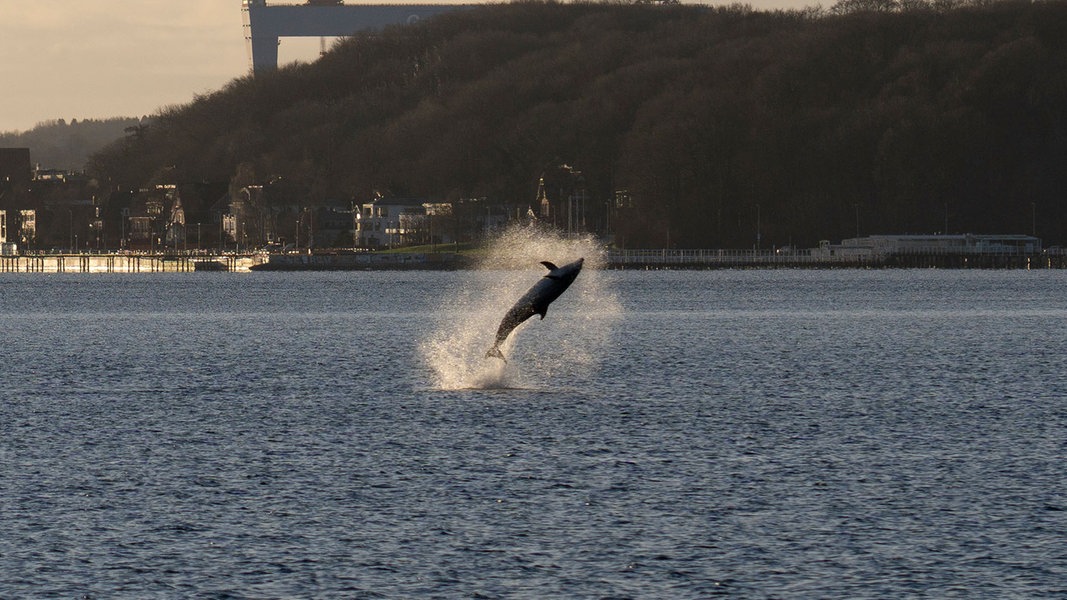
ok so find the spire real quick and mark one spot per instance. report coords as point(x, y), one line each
point(542, 198)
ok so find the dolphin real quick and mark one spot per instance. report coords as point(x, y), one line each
point(536, 301)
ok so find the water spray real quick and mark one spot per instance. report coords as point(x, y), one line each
point(456, 350)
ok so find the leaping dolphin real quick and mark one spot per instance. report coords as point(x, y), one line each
point(536, 301)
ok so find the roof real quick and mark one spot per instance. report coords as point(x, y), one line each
point(395, 202)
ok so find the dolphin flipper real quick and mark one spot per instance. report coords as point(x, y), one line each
point(495, 352)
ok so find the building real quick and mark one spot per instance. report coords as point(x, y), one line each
point(155, 219)
point(880, 246)
point(391, 222)
point(6, 248)
point(15, 167)
point(174, 233)
point(20, 232)
point(27, 226)
point(395, 222)
point(562, 199)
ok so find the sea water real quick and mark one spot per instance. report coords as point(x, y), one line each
point(666, 434)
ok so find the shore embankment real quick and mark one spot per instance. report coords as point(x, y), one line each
point(362, 261)
point(818, 259)
point(615, 259)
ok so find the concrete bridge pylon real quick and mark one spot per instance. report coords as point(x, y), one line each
point(265, 24)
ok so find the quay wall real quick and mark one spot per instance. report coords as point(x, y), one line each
point(816, 259)
point(616, 259)
point(732, 259)
point(364, 261)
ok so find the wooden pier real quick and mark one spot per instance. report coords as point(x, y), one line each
point(127, 263)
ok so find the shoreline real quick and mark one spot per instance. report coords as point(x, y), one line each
point(446, 261)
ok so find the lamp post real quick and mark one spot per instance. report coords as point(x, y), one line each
point(757, 228)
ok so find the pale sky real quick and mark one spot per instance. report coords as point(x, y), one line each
point(94, 59)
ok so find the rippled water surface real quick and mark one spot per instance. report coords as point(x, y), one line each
point(747, 434)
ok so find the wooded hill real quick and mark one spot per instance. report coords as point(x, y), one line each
point(66, 146)
point(870, 117)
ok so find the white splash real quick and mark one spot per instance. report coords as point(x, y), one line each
point(570, 339)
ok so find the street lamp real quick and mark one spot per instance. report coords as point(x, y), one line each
point(757, 228)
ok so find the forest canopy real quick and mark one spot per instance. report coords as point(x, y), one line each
point(726, 127)
point(57, 144)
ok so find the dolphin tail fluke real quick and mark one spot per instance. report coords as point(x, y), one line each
point(495, 352)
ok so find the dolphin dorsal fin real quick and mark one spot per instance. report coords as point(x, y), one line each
point(549, 266)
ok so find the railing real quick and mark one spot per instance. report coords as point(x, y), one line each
point(972, 250)
point(729, 257)
point(836, 256)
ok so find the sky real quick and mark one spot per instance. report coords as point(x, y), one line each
point(78, 59)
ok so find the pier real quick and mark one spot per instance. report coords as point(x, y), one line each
point(129, 263)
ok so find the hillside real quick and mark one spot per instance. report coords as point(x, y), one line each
point(720, 123)
point(67, 146)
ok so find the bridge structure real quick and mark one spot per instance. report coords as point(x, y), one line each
point(265, 24)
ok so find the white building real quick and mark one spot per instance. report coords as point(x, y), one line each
point(881, 246)
point(390, 222)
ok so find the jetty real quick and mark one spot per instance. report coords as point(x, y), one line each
point(965, 251)
point(129, 262)
point(908, 252)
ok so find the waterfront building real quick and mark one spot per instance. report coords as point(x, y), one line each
point(881, 246)
point(390, 222)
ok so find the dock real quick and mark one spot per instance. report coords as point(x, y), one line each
point(129, 263)
point(873, 252)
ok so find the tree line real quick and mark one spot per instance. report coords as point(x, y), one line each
point(59, 144)
point(726, 127)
